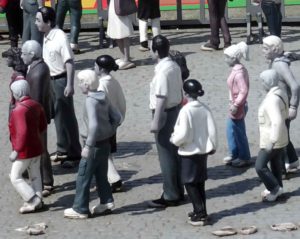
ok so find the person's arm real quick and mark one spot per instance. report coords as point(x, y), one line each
point(283, 69)
point(240, 79)
point(159, 117)
point(19, 127)
point(212, 131)
point(90, 105)
point(69, 90)
point(181, 129)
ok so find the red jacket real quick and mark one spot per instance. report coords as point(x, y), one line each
point(3, 3)
point(26, 123)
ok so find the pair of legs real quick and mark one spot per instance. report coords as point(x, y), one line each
point(65, 121)
point(194, 174)
point(30, 30)
point(273, 15)
point(170, 162)
point(124, 46)
point(237, 139)
point(95, 165)
point(14, 17)
point(75, 9)
point(271, 178)
point(27, 191)
point(217, 20)
point(143, 29)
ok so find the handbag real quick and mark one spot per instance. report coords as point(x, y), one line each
point(125, 7)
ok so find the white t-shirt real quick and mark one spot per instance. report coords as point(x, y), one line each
point(56, 51)
point(166, 82)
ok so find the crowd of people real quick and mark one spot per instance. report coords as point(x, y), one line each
point(42, 88)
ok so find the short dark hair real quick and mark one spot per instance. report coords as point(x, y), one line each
point(48, 14)
point(161, 45)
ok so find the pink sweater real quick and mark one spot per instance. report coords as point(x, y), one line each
point(238, 84)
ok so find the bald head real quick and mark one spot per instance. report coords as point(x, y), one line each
point(31, 50)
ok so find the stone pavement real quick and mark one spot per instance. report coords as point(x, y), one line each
point(233, 195)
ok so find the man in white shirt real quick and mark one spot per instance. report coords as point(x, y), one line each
point(58, 55)
point(165, 99)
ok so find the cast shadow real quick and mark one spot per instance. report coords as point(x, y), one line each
point(58, 170)
point(84, 64)
point(132, 148)
point(251, 207)
point(155, 179)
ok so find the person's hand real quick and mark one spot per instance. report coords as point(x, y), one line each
point(292, 112)
point(233, 109)
point(69, 91)
point(157, 125)
point(13, 156)
point(85, 152)
point(269, 147)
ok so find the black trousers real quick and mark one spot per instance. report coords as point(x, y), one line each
point(14, 17)
point(196, 192)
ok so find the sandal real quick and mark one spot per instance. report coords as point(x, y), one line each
point(248, 230)
point(225, 231)
point(286, 226)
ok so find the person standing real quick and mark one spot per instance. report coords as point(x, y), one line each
point(272, 12)
point(74, 7)
point(100, 122)
point(217, 20)
point(274, 52)
point(165, 101)
point(30, 30)
point(195, 141)
point(58, 56)
point(38, 77)
point(148, 10)
point(238, 85)
point(272, 114)
point(26, 123)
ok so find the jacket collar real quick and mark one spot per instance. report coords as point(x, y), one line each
point(35, 62)
point(237, 67)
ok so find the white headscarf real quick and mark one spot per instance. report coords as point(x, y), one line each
point(20, 88)
point(238, 51)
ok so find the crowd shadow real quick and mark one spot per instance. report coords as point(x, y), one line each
point(132, 148)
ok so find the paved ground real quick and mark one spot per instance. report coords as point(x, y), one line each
point(233, 195)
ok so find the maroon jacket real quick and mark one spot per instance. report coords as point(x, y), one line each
point(26, 123)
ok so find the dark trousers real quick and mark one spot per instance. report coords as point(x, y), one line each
point(46, 167)
point(96, 164)
point(217, 20)
point(170, 162)
point(273, 15)
point(75, 9)
point(271, 178)
point(65, 120)
point(14, 17)
point(30, 30)
point(196, 192)
point(290, 155)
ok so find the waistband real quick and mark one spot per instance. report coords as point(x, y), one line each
point(62, 75)
point(170, 109)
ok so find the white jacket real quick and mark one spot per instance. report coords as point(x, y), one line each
point(272, 113)
point(195, 130)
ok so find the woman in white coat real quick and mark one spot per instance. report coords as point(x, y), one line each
point(195, 135)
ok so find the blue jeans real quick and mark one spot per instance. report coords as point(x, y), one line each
point(271, 178)
point(96, 164)
point(237, 139)
point(273, 15)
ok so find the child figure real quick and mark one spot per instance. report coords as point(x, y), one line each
point(195, 141)
point(27, 122)
point(272, 116)
point(100, 124)
point(238, 84)
point(103, 66)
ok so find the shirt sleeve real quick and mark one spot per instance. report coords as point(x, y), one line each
point(18, 135)
point(243, 89)
point(65, 51)
point(161, 88)
point(181, 129)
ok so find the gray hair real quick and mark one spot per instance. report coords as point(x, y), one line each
point(33, 47)
point(20, 88)
point(275, 43)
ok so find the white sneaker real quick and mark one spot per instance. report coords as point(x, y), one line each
point(103, 208)
point(265, 193)
point(292, 167)
point(34, 204)
point(70, 213)
point(271, 197)
point(228, 159)
point(124, 65)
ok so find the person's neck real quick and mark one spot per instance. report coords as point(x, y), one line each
point(48, 31)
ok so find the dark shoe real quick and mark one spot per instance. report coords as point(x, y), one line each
point(162, 203)
point(209, 47)
point(58, 156)
point(144, 46)
point(239, 163)
point(69, 163)
point(198, 220)
point(117, 186)
point(191, 214)
point(47, 191)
